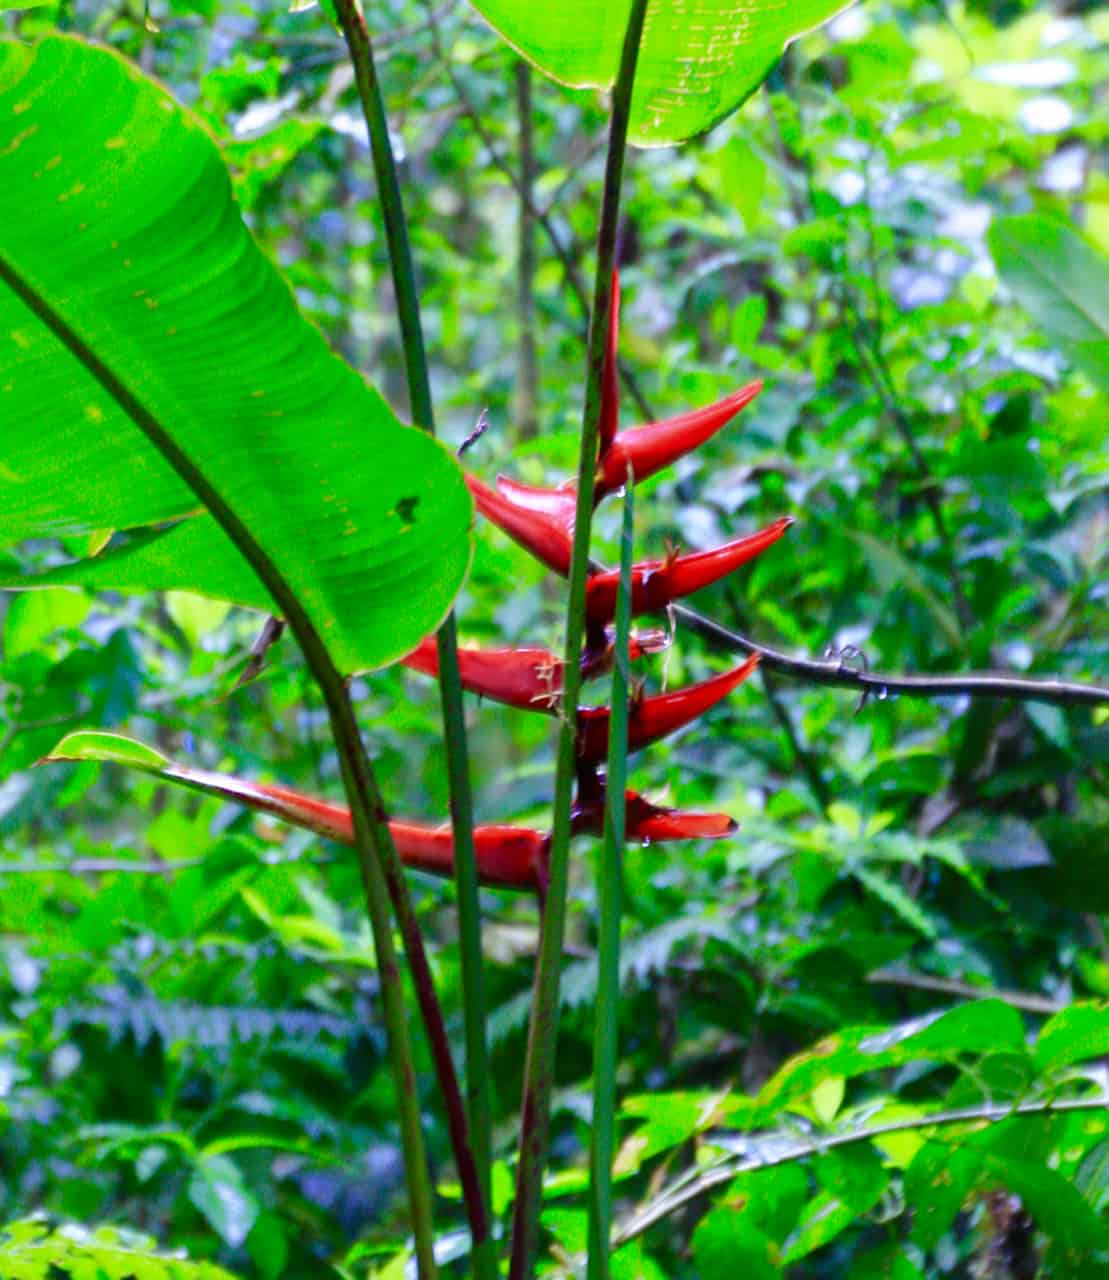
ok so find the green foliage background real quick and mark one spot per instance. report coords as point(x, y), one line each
point(190, 1045)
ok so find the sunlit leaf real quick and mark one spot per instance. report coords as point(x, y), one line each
point(117, 222)
point(694, 68)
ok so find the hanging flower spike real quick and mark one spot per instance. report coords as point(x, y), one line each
point(657, 583)
point(650, 823)
point(609, 418)
point(547, 538)
point(650, 719)
point(655, 445)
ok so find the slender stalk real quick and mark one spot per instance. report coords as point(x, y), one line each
point(540, 216)
point(469, 1125)
point(693, 1187)
point(607, 1024)
point(377, 858)
point(535, 1111)
point(527, 376)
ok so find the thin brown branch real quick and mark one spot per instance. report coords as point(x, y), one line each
point(1023, 1000)
point(836, 672)
point(688, 1188)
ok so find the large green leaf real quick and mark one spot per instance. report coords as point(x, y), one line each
point(1063, 282)
point(116, 214)
point(696, 65)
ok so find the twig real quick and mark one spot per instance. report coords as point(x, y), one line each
point(967, 990)
point(691, 1188)
point(975, 684)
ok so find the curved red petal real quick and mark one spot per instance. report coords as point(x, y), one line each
point(527, 678)
point(561, 504)
point(653, 718)
point(655, 445)
point(507, 857)
point(651, 823)
point(545, 537)
point(657, 583)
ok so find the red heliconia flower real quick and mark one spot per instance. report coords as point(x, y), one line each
point(657, 583)
point(650, 719)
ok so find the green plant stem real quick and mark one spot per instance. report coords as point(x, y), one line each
point(527, 376)
point(535, 1111)
point(606, 1028)
point(470, 1125)
point(377, 858)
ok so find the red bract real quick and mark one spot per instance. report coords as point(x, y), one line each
point(508, 857)
point(527, 678)
point(657, 583)
point(547, 538)
point(650, 823)
point(649, 448)
point(650, 719)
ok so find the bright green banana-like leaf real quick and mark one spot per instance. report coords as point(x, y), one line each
point(697, 63)
point(118, 228)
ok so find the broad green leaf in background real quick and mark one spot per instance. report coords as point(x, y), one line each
point(1063, 282)
point(116, 213)
point(695, 66)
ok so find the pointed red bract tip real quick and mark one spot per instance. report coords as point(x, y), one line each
point(650, 823)
point(655, 445)
point(610, 375)
point(543, 535)
point(657, 583)
point(677, 824)
point(527, 678)
point(650, 719)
